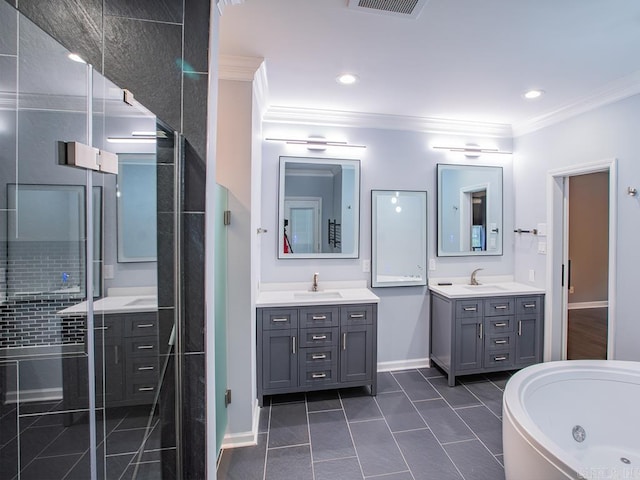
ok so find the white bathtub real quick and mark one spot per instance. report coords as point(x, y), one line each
point(544, 403)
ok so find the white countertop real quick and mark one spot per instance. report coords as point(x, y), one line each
point(122, 300)
point(497, 286)
point(300, 294)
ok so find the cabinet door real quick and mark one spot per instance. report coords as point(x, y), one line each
point(469, 336)
point(279, 359)
point(356, 353)
point(528, 340)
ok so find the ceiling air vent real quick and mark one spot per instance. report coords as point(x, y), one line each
point(397, 8)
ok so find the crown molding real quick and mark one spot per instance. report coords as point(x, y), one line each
point(335, 118)
point(233, 67)
point(612, 92)
point(261, 89)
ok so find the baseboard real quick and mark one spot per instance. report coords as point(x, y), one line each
point(582, 305)
point(244, 439)
point(403, 364)
point(35, 395)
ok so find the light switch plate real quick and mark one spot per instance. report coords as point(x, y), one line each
point(366, 266)
point(432, 264)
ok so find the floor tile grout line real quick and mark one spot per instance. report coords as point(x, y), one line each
point(266, 448)
point(479, 399)
point(382, 475)
point(334, 459)
point(306, 408)
point(344, 412)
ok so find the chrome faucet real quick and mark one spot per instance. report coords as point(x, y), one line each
point(314, 285)
point(473, 277)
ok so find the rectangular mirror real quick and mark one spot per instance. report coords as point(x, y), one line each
point(398, 238)
point(469, 210)
point(319, 208)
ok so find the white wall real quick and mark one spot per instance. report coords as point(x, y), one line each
point(392, 160)
point(607, 132)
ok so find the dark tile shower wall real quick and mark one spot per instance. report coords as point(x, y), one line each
point(158, 51)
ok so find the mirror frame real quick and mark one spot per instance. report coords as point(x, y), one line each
point(352, 163)
point(377, 248)
point(500, 224)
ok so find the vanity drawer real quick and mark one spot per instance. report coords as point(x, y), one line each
point(141, 391)
point(499, 342)
point(279, 318)
point(356, 315)
point(314, 337)
point(140, 324)
point(141, 345)
point(146, 367)
point(499, 306)
point(109, 325)
point(498, 359)
point(312, 317)
point(499, 324)
point(314, 375)
point(528, 305)
point(318, 357)
point(468, 308)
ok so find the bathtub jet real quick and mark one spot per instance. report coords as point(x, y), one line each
point(574, 419)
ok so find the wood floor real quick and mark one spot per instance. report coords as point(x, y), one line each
point(587, 336)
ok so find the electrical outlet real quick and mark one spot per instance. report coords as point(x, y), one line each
point(108, 272)
point(532, 275)
point(432, 264)
point(366, 266)
point(571, 289)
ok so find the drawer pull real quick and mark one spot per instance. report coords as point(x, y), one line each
point(501, 307)
point(318, 375)
point(145, 325)
point(319, 356)
point(529, 305)
point(319, 337)
point(470, 309)
point(499, 359)
point(500, 324)
point(279, 320)
point(142, 369)
point(146, 347)
point(356, 315)
point(500, 342)
point(146, 389)
point(319, 317)
point(101, 328)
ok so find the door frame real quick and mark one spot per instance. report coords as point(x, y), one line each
point(557, 297)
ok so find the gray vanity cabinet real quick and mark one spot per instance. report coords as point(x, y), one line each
point(315, 347)
point(476, 335)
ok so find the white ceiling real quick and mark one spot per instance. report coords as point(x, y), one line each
point(464, 60)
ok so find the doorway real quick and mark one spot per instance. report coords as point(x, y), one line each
point(576, 320)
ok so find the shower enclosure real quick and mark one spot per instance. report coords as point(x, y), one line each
point(89, 362)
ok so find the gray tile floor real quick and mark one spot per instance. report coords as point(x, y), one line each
point(416, 428)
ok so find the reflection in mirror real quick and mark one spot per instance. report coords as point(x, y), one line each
point(469, 210)
point(319, 205)
point(399, 238)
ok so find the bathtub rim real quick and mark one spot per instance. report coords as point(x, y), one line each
point(533, 377)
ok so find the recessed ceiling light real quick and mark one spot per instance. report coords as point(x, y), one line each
point(76, 58)
point(347, 78)
point(531, 94)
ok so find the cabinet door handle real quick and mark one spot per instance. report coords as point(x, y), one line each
point(142, 369)
point(145, 325)
point(480, 335)
point(344, 341)
point(519, 327)
point(281, 319)
point(500, 324)
point(116, 352)
point(318, 375)
point(319, 317)
point(499, 359)
point(319, 356)
point(146, 347)
point(470, 309)
point(529, 305)
point(319, 337)
point(500, 342)
point(356, 315)
point(501, 307)
point(146, 389)
point(293, 341)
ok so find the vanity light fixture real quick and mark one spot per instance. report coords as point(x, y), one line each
point(472, 150)
point(533, 94)
point(315, 143)
point(347, 79)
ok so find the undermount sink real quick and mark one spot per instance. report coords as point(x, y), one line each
point(484, 287)
point(142, 301)
point(318, 295)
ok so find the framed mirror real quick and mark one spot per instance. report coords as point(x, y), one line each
point(398, 238)
point(318, 208)
point(469, 210)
